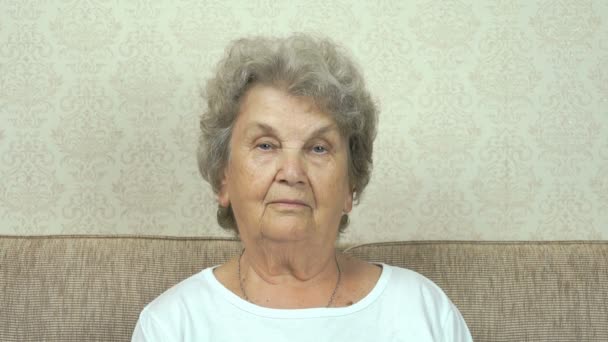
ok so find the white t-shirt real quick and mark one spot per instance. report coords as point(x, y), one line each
point(402, 306)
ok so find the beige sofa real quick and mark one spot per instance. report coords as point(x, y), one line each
point(91, 288)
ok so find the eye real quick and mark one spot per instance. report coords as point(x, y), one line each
point(264, 146)
point(319, 149)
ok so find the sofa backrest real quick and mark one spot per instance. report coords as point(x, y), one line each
point(82, 288)
point(92, 288)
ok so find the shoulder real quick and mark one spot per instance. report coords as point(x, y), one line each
point(187, 288)
point(412, 292)
point(410, 278)
point(421, 300)
point(164, 317)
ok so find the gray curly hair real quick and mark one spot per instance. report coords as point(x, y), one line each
point(302, 65)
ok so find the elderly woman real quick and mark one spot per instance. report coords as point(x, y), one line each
point(286, 145)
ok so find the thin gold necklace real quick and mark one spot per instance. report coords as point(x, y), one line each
point(331, 299)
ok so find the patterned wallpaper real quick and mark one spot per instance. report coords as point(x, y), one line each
point(494, 120)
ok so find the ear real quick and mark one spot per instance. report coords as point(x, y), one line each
point(222, 195)
point(348, 202)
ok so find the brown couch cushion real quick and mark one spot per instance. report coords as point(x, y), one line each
point(514, 291)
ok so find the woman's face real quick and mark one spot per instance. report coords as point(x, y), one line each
point(287, 175)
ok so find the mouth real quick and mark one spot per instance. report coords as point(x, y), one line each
point(289, 203)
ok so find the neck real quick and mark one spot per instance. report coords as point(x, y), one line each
point(285, 275)
point(280, 261)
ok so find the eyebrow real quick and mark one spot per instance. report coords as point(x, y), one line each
point(265, 128)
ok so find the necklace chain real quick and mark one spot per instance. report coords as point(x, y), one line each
point(331, 299)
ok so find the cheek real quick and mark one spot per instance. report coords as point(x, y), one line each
point(254, 177)
point(330, 183)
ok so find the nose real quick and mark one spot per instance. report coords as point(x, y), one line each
point(291, 168)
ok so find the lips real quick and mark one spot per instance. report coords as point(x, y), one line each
point(289, 202)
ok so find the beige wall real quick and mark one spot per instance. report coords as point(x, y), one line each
point(494, 121)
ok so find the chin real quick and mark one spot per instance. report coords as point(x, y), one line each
point(287, 231)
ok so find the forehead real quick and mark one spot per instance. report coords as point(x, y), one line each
point(271, 107)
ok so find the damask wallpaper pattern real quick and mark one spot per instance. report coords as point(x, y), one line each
point(494, 120)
